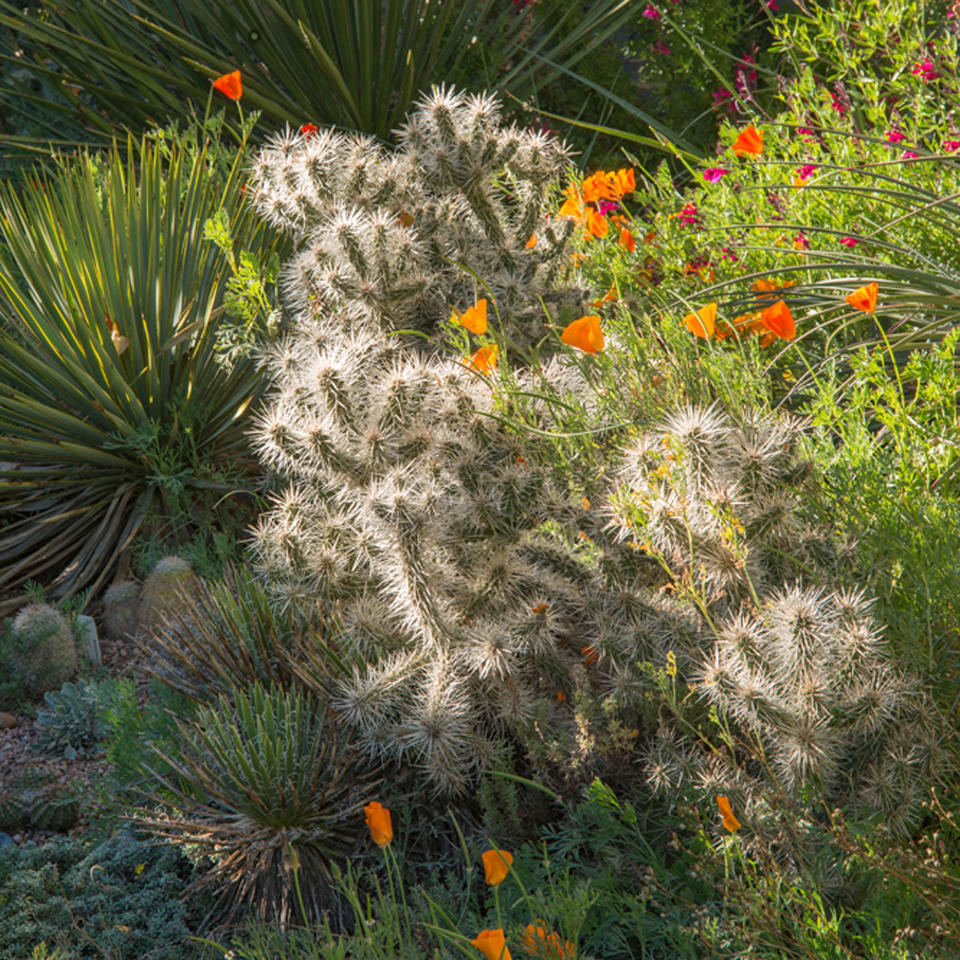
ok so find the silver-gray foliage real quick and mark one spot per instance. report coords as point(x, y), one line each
point(384, 235)
point(411, 513)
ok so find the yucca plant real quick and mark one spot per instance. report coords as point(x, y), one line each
point(113, 401)
point(230, 633)
point(355, 63)
point(267, 785)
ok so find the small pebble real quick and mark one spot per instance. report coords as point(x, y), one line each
point(7, 720)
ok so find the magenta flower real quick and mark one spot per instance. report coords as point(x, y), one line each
point(951, 145)
point(651, 13)
point(728, 254)
point(689, 215)
point(895, 136)
point(801, 242)
point(660, 47)
point(925, 70)
point(805, 171)
point(849, 241)
point(837, 105)
point(714, 174)
point(909, 155)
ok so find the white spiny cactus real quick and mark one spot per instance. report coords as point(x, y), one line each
point(384, 236)
point(800, 670)
point(716, 501)
point(412, 516)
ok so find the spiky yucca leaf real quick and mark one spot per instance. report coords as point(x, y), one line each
point(354, 63)
point(229, 634)
point(95, 431)
point(266, 783)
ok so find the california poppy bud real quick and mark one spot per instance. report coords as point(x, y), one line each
point(496, 866)
point(379, 822)
point(492, 944)
point(229, 85)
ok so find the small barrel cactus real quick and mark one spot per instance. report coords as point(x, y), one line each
point(13, 811)
point(46, 649)
point(52, 808)
point(121, 603)
point(162, 590)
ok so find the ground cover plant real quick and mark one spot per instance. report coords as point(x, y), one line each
point(601, 597)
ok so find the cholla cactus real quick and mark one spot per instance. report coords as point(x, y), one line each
point(808, 677)
point(716, 501)
point(800, 670)
point(413, 515)
point(46, 653)
point(383, 236)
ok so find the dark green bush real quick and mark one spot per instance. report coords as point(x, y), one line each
point(116, 898)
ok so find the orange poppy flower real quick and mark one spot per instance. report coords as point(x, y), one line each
point(379, 822)
point(560, 696)
point(485, 359)
point(590, 654)
point(597, 187)
point(532, 242)
point(749, 142)
point(584, 334)
point(473, 318)
point(865, 298)
point(779, 321)
point(492, 944)
point(627, 241)
point(726, 811)
point(539, 942)
point(703, 323)
point(229, 85)
point(541, 608)
point(496, 866)
point(768, 289)
point(309, 129)
point(799, 182)
point(597, 225)
point(609, 297)
point(573, 205)
point(405, 219)
point(624, 181)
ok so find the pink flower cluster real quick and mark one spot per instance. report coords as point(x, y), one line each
point(925, 70)
point(713, 174)
point(689, 215)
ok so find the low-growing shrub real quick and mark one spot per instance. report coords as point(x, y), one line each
point(117, 897)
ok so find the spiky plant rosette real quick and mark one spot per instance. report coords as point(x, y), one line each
point(265, 783)
point(229, 633)
point(414, 518)
point(398, 237)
